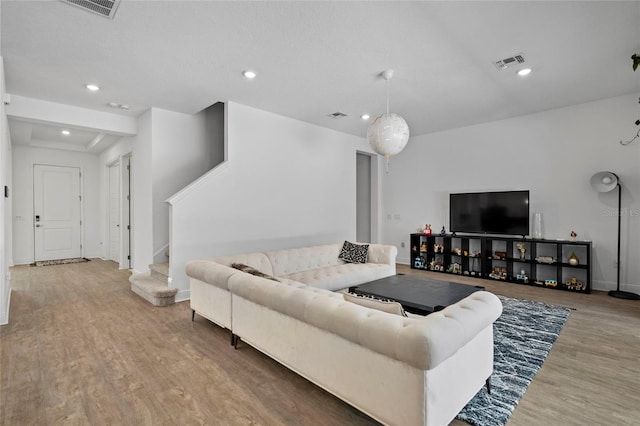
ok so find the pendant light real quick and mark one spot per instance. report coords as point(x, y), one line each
point(388, 133)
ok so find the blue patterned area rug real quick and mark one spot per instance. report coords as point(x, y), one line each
point(523, 337)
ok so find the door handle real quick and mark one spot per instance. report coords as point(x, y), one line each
point(38, 225)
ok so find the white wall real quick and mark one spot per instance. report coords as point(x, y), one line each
point(285, 184)
point(141, 196)
point(181, 153)
point(24, 158)
point(6, 249)
point(553, 154)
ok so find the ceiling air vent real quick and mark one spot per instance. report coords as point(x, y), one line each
point(503, 64)
point(106, 8)
point(338, 115)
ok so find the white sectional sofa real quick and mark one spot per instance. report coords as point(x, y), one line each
point(317, 266)
point(398, 370)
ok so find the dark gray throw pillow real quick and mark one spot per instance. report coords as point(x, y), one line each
point(253, 271)
point(354, 253)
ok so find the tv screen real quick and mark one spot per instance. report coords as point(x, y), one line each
point(490, 212)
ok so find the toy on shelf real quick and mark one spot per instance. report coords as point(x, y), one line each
point(498, 273)
point(457, 251)
point(573, 235)
point(423, 247)
point(522, 249)
point(545, 259)
point(455, 268)
point(574, 284)
point(438, 248)
point(500, 255)
point(436, 266)
point(522, 277)
point(427, 229)
point(550, 283)
point(443, 231)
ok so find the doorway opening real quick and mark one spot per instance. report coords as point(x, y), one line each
point(363, 198)
point(113, 252)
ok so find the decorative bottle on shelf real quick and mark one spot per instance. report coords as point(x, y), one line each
point(573, 260)
point(537, 226)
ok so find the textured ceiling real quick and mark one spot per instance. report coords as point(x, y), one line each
point(316, 58)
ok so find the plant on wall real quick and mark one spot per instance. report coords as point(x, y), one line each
point(636, 63)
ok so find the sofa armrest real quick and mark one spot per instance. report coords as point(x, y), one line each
point(380, 253)
point(211, 272)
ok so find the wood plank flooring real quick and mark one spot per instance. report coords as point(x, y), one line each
point(81, 349)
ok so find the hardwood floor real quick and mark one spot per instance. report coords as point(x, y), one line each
point(81, 348)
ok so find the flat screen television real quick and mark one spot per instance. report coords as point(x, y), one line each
point(505, 212)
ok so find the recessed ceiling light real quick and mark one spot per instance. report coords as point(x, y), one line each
point(66, 132)
point(524, 71)
point(249, 74)
point(365, 116)
point(92, 87)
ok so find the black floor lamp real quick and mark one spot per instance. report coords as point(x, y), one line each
point(605, 182)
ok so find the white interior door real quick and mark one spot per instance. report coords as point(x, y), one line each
point(56, 205)
point(114, 213)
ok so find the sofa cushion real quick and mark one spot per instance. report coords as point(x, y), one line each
point(390, 306)
point(285, 262)
point(253, 271)
point(341, 276)
point(354, 253)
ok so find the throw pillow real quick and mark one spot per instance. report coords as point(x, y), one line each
point(354, 253)
point(253, 271)
point(380, 305)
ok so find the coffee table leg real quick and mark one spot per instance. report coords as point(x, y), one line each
point(488, 382)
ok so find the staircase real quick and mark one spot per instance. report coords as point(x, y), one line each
point(153, 286)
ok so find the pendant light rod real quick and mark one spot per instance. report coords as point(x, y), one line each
point(387, 96)
point(387, 75)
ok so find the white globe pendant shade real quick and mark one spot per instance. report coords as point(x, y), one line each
point(388, 134)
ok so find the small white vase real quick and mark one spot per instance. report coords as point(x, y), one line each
point(537, 225)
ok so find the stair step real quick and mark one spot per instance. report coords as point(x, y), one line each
point(154, 291)
point(160, 271)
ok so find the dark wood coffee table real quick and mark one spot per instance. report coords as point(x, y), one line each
point(416, 295)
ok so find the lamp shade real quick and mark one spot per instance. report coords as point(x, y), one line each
point(604, 181)
point(388, 134)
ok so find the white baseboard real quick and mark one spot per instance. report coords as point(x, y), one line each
point(183, 295)
point(4, 315)
point(608, 285)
